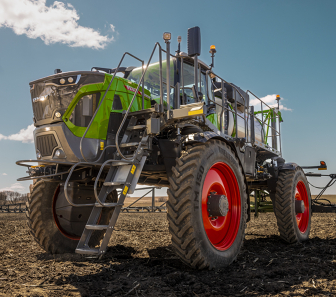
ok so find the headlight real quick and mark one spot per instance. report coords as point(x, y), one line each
point(59, 154)
point(38, 155)
point(58, 114)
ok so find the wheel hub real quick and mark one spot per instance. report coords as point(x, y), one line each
point(218, 205)
point(299, 206)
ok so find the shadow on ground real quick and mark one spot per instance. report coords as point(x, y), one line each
point(265, 266)
point(140, 262)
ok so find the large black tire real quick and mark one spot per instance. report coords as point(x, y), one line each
point(186, 218)
point(292, 185)
point(42, 225)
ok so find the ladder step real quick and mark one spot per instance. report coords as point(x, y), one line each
point(110, 184)
point(108, 205)
point(129, 144)
point(137, 127)
point(121, 163)
point(87, 251)
point(96, 227)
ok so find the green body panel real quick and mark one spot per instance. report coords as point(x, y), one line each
point(213, 118)
point(120, 86)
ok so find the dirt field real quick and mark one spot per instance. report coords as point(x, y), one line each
point(139, 262)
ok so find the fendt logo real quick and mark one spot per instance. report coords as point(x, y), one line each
point(41, 98)
point(129, 88)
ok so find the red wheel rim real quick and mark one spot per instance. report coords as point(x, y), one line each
point(302, 219)
point(66, 234)
point(222, 231)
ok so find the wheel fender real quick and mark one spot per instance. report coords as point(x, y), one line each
point(288, 166)
point(281, 166)
point(203, 137)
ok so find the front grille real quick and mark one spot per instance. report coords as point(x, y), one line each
point(46, 144)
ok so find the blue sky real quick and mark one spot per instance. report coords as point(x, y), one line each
point(269, 47)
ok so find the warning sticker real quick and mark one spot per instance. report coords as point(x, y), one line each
point(129, 88)
point(125, 190)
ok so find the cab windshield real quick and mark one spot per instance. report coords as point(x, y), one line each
point(152, 79)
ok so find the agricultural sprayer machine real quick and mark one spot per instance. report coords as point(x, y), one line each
point(173, 123)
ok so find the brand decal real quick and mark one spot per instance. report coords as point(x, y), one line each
point(129, 88)
point(41, 98)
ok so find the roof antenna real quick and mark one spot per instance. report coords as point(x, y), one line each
point(179, 39)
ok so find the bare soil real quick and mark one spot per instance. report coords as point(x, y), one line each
point(139, 262)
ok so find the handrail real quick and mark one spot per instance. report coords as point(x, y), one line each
point(275, 132)
point(245, 107)
point(97, 179)
point(104, 96)
point(277, 115)
point(49, 175)
point(66, 183)
point(130, 105)
point(248, 91)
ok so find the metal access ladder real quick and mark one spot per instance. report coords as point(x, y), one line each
point(124, 174)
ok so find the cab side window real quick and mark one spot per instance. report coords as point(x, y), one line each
point(188, 80)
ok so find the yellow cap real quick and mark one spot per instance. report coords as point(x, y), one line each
point(212, 47)
point(278, 96)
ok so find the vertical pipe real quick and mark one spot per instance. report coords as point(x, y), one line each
point(200, 78)
point(153, 200)
point(143, 87)
point(236, 114)
point(262, 123)
point(222, 113)
point(273, 126)
point(279, 127)
point(279, 138)
point(195, 76)
point(226, 118)
point(177, 96)
point(245, 130)
point(161, 81)
point(182, 81)
point(252, 125)
point(168, 78)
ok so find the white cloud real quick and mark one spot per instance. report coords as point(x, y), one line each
point(14, 187)
point(269, 100)
point(24, 135)
point(4, 174)
point(55, 23)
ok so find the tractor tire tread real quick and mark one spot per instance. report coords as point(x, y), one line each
point(179, 205)
point(283, 207)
